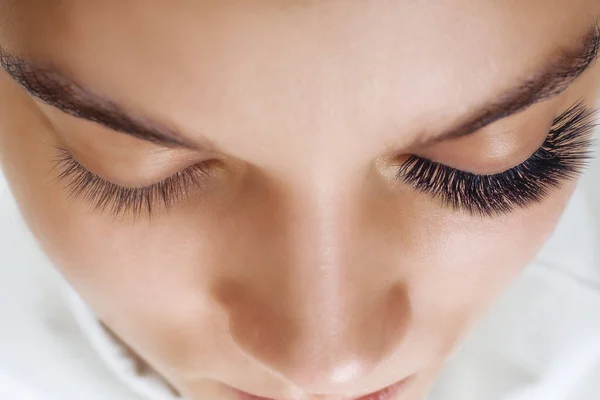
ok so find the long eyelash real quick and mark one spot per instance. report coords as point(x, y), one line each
point(562, 157)
point(108, 197)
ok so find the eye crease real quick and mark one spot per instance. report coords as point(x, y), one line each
point(562, 157)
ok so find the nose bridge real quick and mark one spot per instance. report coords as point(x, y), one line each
point(326, 317)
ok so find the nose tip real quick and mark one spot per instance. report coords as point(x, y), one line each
point(319, 349)
point(331, 376)
point(320, 377)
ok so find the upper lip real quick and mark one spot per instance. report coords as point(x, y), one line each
point(372, 396)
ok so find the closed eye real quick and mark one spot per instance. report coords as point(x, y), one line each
point(562, 157)
point(105, 196)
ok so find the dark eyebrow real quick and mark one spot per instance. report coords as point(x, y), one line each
point(47, 84)
point(51, 87)
point(552, 80)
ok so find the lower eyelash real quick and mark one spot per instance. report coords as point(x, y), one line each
point(562, 157)
point(108, 197)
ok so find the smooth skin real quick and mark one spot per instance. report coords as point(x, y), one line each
point(302, 269)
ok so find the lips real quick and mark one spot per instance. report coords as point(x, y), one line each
point(387, 393)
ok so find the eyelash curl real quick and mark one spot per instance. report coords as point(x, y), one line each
point(562, 157)
point(117, 200)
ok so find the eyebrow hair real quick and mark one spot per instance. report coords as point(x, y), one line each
point(48, 85)
point(554, 79)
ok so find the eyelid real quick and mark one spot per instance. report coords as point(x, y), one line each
point(120, 159)
point(500, 146)
point(578, 120)
point(104, 195)
point(562, 157)
point(489, 155)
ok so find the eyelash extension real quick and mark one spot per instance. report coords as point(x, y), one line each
point(106, 196)
point(562, 157)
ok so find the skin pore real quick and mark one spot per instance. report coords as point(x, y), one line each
point(299, 267)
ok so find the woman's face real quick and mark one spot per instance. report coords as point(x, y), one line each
point(232, 185)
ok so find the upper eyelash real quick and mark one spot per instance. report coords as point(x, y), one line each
point(108, 197)
point(563, 156)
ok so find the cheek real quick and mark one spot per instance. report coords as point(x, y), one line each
point(468, 262)
point(146, 282)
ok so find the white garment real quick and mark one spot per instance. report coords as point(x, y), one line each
point(540, 341)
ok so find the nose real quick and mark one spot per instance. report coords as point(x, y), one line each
point(316, 300)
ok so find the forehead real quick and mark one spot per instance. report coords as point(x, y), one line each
point(240, 71)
